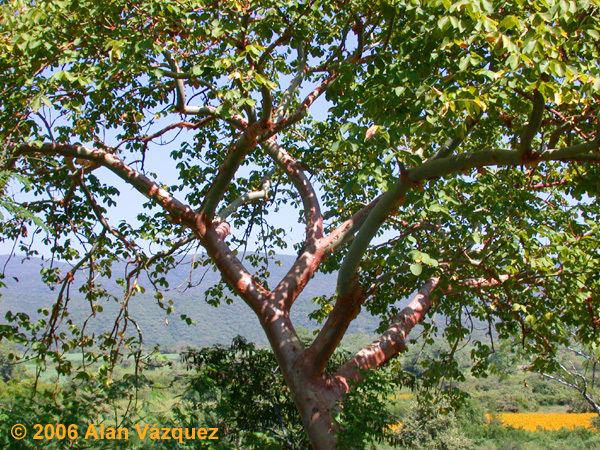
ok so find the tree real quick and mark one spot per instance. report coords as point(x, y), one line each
point(454, 161)
point(578, 371)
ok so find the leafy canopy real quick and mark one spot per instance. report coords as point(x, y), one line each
point(504, 95)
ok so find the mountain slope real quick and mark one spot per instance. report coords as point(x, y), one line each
point(212, 324)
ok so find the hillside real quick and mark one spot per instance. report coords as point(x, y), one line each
point(26, 292)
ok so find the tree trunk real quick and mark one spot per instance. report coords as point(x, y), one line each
point(315, 397)
point(317, 404)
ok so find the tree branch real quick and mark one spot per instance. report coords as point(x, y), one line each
point(229, 265)
point(310, 202)
point(143, 184)
point(177, 74)
point(242, 200)
point(180, 102)
point(458, 163)
point(386, 205)
point(452, 143)
point(344, 232)
point(297, 277)
point(344, 311)
point(234, 272)
point(393, 341)
point(533, 126)
point(102, 219)
point(288, 289)
point(180, 125)
point(389, 202)
point(176, 245)
point(235, 155)
point(306, 104)
point(485, 282)
point(289, 93)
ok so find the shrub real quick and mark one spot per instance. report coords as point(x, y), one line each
point(432, 423)
point(596, 423)
point(579, 405)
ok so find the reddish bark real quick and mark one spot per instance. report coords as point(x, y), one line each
point(393, 341)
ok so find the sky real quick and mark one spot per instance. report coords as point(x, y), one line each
point(158, 160)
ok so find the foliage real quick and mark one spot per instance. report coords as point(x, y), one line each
point(453, 157)
point(51, 405)
point(228, 379)
point(432, 423)
point(178, 404)
point(596, 423)
point(365, 417)
point(8, 369)
point(241, 389)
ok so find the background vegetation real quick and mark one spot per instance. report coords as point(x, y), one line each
point(224, 386)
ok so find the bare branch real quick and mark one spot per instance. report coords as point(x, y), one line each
point(143, 184)
point(485, 282)
point(297, 277)
point(549, 184)
point(102, 219)
point(308, 261)
point(173, 126)
point(173, 247)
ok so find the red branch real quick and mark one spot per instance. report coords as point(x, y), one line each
point(393, 341)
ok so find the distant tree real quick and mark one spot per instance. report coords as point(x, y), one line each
point(431, 423)
point(453, 159)
point(7, 366)
point(579, 370)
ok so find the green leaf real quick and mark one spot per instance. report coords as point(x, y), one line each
point(416, 269)
point(443, 23)
point(513, 61)
point(510, 22)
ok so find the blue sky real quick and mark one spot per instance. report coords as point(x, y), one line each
point(158, 160)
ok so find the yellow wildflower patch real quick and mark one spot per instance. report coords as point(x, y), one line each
point(396, 427)
point(545, 421)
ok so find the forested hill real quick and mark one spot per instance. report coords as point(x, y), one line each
point(26, 292)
